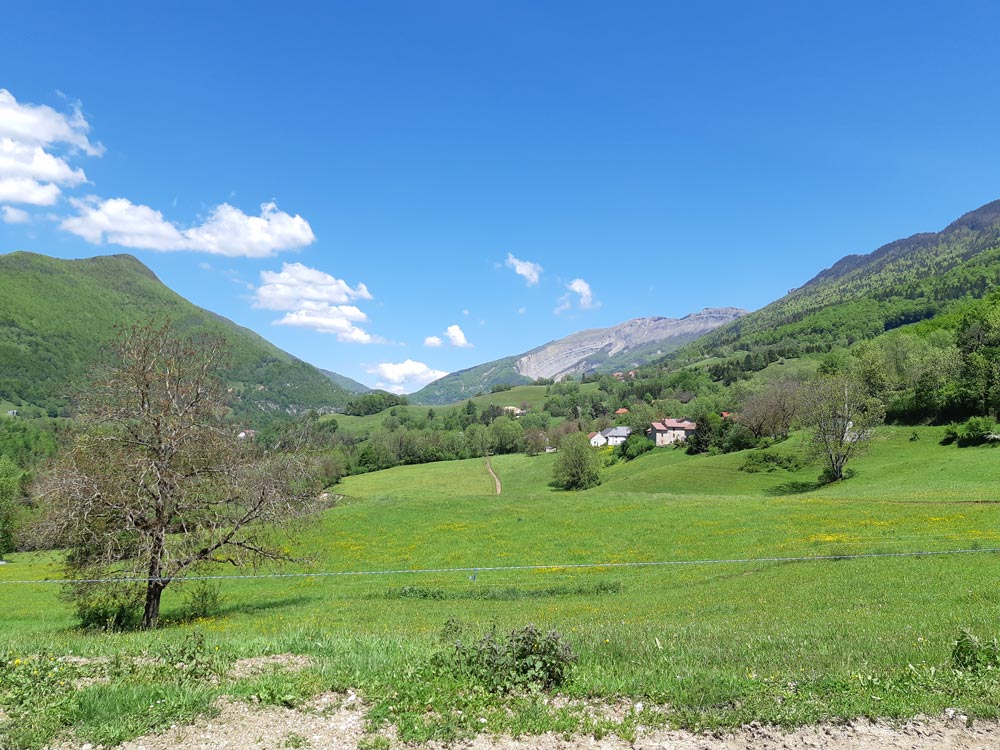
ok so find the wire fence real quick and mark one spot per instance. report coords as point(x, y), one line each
point(474, 571)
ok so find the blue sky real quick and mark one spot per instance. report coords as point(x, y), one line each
point(397, 190)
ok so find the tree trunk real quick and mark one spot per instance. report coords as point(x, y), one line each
point(151, 613)
point(154, 587)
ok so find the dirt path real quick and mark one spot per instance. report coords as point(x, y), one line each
point(496, 479)
point(337, 722)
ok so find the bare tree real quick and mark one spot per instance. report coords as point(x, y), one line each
point(155, 482)
point(842, 418)
point(772, 411)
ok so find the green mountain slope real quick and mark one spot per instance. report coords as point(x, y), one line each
point(342, 381)
point(56, 317)
point(862, 296)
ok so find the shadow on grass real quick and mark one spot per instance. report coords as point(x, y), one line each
point(793, 488)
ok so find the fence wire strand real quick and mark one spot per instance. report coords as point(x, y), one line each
point(476, 570)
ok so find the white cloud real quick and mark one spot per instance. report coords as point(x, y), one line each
point(457, 337)
point(336, 319)
point(37, 145)
point(529, 271)
point(433, 341)
point(228, 231)
point(13, 215)
point(21, 160)
point(27, 190)
point(585, 297)
point(404, 377)
point(297, 284)
point(41, 125)
point(29, 170)
point(314, 299)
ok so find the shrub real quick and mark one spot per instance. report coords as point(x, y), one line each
point(113, 608)
point(524, 659)
point(203, 599)
point(970, 654)
point(757, 462)
point(634, 446)
point(976, 431)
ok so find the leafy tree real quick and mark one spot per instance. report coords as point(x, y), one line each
point(634, 446)
point(842, 418)
point(576, 466)
point(10, 489)
point(373, 402)
point(506, 435)
point(154, 482)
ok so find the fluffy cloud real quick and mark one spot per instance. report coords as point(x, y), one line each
point(297, 284)
point(585, 297)
point(336, 319)
point(529, 271)
point(13, 215)
point(37, 144)
point(457, 337)
point(30, 171)
point(433, 341)
point(27, 190)
point(41, 125)
point(404, 377)
point(227, 231)
point(314, 299)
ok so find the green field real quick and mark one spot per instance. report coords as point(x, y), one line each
point(721, 639)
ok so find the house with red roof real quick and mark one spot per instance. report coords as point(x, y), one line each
point(670, 431)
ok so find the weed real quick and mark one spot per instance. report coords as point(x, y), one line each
point(526, 658)
point(203, 599)
point(970, 653)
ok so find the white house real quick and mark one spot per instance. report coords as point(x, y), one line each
point(616, 435)
point(597, 439)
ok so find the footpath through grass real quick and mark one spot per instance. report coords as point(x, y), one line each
point(720, 643)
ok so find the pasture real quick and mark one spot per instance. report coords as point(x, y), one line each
point(722, 634)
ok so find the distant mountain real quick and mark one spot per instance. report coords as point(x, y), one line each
point(861, 296)
point(622, 347)
point(342, 381)
point(57, 316)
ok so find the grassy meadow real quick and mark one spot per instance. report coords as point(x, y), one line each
point(716, 642)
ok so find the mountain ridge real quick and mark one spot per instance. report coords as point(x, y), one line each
point(56, 317)
point(623, 346)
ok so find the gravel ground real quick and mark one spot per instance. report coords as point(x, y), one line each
point(336, 722)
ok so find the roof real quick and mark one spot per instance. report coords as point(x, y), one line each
point(674, 424)
point(617, 432)
point(623, 410)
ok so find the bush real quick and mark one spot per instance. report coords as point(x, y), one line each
point(768, 461)
point(524, 659)
point(203, 599)
point(976, 431)
point(970, 654)
point(112, 609)
point(634, 446)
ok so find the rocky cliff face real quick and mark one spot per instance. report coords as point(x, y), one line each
point(601, 347)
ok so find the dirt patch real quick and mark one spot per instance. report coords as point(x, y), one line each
point(259, 665)
point(337, 722)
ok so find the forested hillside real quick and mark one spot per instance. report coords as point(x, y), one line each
point(862, 296)
point(57, 315)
